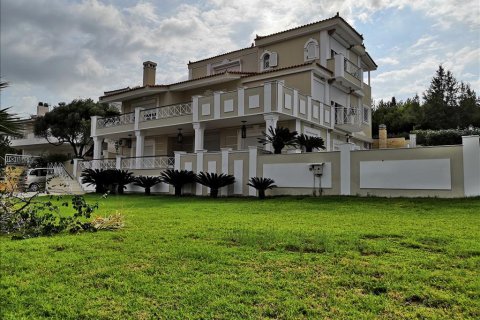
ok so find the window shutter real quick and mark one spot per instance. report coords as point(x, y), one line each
point(273, 59)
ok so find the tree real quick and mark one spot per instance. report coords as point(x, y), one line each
point(279, 138)
point(469, 106)
point(440, 105)
point(70, 123)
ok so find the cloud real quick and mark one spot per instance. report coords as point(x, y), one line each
point(62, 50)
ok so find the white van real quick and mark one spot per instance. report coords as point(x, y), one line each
point(36, 179)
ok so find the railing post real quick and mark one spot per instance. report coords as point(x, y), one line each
point(216, 104)
point(140, 142)
point(199, 189)
point(75, 167)
point(178, 159)
point(225, 154)
point(267, 97)
point(118, 161)
point(252, 167)
point(137, 118)
point(241, 101)
point(295, 103)
point(345, 167)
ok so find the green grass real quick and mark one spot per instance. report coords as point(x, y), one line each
point(283, 258)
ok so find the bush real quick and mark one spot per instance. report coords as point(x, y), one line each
point(310, 142)
point(215, 181)
point(444, 136)
point(147, 183)
point(177, 178)
point(279, 138)
point(261, 184)
point(110, 180)
point(27, 217)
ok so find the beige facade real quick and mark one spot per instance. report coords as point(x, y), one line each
point(310, 79)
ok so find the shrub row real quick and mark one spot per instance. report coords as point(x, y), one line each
point(443, 137)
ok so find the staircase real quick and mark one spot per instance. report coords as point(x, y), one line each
point(59, 181)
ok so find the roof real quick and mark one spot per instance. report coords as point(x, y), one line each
point(242, 73)
point(337, 16)
point(219, 55)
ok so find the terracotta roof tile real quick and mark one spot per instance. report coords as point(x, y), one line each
point(219, 55)
point(310, 24)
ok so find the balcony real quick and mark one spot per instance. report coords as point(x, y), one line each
point(346, 72)
point(19, 160)
point(29, 139)
point(348, 119)
point(166, 116)
point(130, 163)
point(270, 97)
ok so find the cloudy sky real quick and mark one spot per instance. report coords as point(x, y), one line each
point(60, 50)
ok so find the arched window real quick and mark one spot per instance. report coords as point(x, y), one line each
point(266, 61)
point(311, 50)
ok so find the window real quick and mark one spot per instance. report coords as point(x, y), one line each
point(311, 50)
point(268, 60)
point(366, 115)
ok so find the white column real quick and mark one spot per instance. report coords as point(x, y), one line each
point(118, 161)
point(309, 108)
point(97, 148)
point(199, 133)
point(178, 155)
point(252, 167)
point(225, 153)
point(267, 97)
point(199, 187)
point(270, 121)
point(345, 166)
point(195, 108)
point(328, 140)
point(137, 118)
point(241, 101)
point(75, 167)
point(93, 126)
point(295, 102)
point(140, 143)
point(216, 104)
point(413, 140)
point(324, 47)
point(471, 165)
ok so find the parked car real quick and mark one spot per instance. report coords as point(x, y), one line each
point(36, 179)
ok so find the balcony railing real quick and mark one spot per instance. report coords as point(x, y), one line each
point(174, 110)
point(97, 164)
point(125, 118)
point(352, 69)
point(18, 159)
point(153, 162)
point(348, 118)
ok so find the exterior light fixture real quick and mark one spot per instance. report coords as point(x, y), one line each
point(179, 136)
point(244, 130)
point(348, 136)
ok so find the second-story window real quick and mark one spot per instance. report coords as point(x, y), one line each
point(311, 50)
point(266, 61)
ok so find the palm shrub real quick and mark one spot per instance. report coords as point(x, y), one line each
point(96, 177)
point(215, 181)
point(279, 138)
point(147, 182)
point(261, 184)
point(120, 179)
point(310, 142)
point(177, 178)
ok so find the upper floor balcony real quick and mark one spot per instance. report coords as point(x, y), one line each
point(271, 97)
point(29, 139)
point(346, 72)
point(348, 118)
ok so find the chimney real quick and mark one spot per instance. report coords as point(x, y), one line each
point(42, 108)
point(382, 136)
point(149, 70)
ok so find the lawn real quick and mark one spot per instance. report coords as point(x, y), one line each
point(283, 258)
